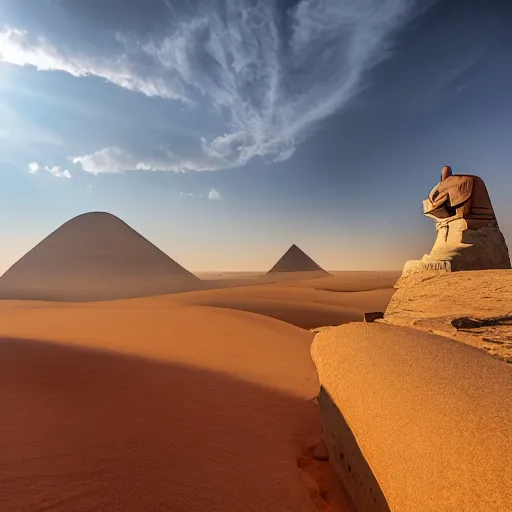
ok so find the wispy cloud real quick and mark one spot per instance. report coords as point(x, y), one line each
point(274, 75)
point(21, 48)
point(116, 160)
point(214, 195)
point(58, 172)
point(191, 194)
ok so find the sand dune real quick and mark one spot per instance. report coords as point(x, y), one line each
point(171, 414)
point(331, 300)
point(352, 281)
point(418, 422)
point(176, 402)
point(243, 345)
point(304, 303)
point(96, 431)
point(302, 314)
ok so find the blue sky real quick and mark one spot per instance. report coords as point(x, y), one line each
point(225, 131)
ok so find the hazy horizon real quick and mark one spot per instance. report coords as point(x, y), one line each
point(226, 132)
point(214, 270)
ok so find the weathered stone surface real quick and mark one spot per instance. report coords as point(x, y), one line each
point(468, 249)
point(438, 302)
point(415, 422)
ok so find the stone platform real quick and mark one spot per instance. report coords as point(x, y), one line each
point(437, 301)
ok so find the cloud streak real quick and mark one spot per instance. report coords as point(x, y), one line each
point(20, 48)
point(58, 172)
point(213, 195)
point(270, 75)
point(191, 194)
point(117, 160)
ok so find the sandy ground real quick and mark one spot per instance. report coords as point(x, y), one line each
point(194, 401)
point(432, 418)
point(307, 303)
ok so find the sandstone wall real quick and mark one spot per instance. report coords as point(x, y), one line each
point(415, 422)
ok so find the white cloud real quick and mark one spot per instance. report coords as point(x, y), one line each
point(20, 48)
point(116, 160)
point(274, 88)
point(33, 167)
point(56, 171)
point(214, 195)
point(191, 194)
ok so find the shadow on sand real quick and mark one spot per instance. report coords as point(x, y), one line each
point(89, 430)
point(348, 460)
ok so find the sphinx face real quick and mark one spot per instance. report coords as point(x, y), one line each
point(449, 197)
point(460, 196)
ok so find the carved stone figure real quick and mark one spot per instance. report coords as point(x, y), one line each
point(460, 196)
point(468, 236)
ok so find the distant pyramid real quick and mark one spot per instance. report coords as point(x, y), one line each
point(94, 256)
point(295, 260)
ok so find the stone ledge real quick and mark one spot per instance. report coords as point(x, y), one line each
point(430, 302)
point(413, 421)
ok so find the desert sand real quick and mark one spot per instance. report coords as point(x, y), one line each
point(127, 383)
point(195, 401)
point(434, 431)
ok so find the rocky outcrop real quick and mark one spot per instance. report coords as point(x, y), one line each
point(435, 302)
point(414, 421)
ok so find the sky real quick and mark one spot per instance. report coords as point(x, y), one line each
point(225, 131)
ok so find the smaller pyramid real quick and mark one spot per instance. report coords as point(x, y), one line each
point(295, 260)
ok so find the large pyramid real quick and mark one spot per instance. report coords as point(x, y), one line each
point(296, 260)
point(94, 256)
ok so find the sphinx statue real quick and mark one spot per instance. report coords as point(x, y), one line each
point(468, 236)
